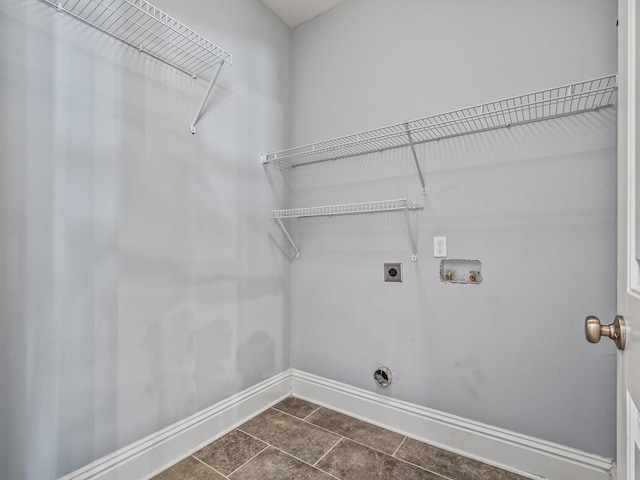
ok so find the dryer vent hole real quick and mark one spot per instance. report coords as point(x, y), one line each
point(382, 376)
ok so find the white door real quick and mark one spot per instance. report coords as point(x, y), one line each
point(629, 239)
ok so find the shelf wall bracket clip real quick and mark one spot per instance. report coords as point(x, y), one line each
point(214, 78)
point(286, 233)
point(415, 157)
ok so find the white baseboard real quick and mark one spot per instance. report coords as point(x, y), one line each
point(527, 456)
point(151, 455)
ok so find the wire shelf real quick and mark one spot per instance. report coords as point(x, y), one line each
point(148, 29)
point(532, 107)
point(347, 209)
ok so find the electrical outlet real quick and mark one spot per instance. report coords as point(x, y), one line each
point(439, 247)
point(392, 272)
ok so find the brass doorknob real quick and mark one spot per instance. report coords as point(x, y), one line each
point(617, 331)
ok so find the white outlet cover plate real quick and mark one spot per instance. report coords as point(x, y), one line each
point(439, 247)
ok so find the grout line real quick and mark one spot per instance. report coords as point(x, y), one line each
point(423, 468)
point(388, 455)
point(292, 456)
point(288, 414)
point(209, 466)
point(278, 410)
point(267, 446)
point(396, 450)
point(329, 431)
point(294, 416)
point(327, 452)
point(361, 444)
point(305, 418)
point(252, 436)
point(307, 463)
point(347, 438)
point(313, 424)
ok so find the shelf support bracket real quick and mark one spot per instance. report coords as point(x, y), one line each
point(206, 97)
point(286, 233)
point(412, 238)
point(415, 157)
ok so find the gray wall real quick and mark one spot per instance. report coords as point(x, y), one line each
point(536, 204)
point(140, 279)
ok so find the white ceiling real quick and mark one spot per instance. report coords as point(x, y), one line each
point(295, 12)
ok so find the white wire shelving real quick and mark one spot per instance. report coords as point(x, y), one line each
point(547, 104)
point(347, 209)
point(401, 204)
point(150, 30)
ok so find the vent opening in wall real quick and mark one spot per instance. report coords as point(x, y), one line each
point(382, 376)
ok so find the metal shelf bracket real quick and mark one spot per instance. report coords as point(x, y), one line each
point(286, 234)
point(412, 238)
point(214, 78)
point(415, 158)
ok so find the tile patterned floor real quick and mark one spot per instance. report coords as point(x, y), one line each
point(297, 440)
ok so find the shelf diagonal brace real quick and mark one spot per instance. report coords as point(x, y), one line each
point(415, 157)
point(286, 233)
point(214, 78)
point(412, 238)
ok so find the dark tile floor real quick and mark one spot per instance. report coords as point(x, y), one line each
point(297, 440)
